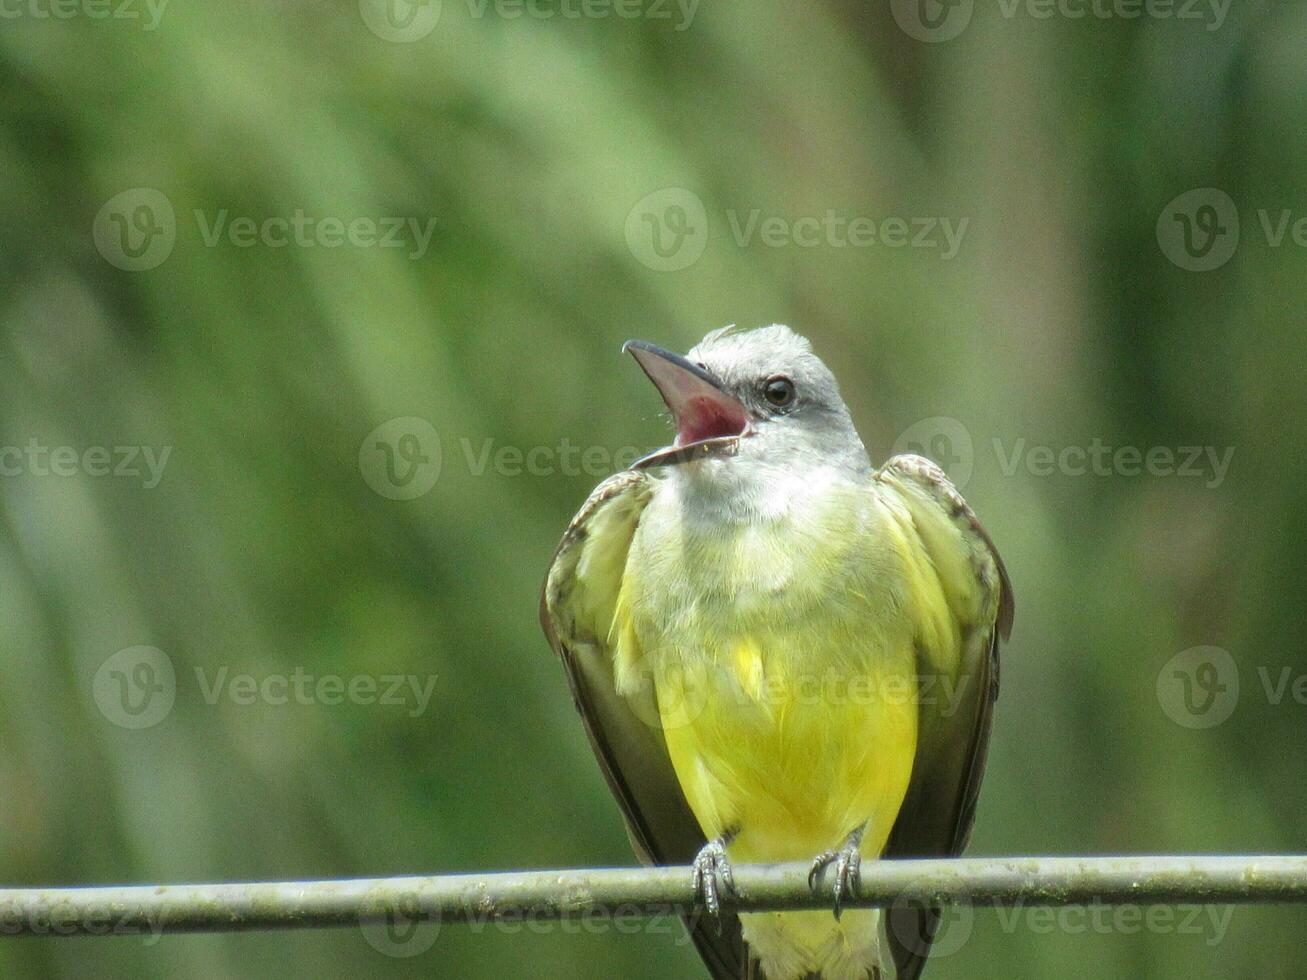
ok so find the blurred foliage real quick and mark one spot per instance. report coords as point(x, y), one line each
point(530, 139)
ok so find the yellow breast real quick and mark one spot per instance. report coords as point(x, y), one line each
point(784, 670)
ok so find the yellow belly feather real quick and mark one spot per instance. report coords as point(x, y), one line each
point(785, 671)
point(792, 755)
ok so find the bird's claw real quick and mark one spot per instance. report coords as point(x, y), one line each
point(848, 868)
point(711, 864)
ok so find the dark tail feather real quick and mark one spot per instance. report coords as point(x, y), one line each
point(724, 952)
point(911, 930)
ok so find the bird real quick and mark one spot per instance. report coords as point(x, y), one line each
point(781, 653)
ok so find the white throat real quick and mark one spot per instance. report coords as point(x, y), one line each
point(744, 491)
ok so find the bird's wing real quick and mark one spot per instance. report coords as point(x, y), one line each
point(576, 611)
point(940, 805)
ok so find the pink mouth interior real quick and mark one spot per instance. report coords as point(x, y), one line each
point(703, 418)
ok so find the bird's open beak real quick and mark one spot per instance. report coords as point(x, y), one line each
point(709, 421)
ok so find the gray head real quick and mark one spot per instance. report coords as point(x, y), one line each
point(743, 396)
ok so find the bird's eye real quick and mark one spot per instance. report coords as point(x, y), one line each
point(779, 391)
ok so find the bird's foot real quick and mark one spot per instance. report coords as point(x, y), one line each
point(712, 871)
point(848, 867)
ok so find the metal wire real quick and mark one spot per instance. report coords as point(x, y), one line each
point(552, 895)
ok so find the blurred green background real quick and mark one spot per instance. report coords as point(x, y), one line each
point(146, 302)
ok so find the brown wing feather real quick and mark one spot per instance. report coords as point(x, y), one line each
point(630, 749)
point(938, 811)
point(940, 807)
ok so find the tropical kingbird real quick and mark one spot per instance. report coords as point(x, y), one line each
point(780, 652)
